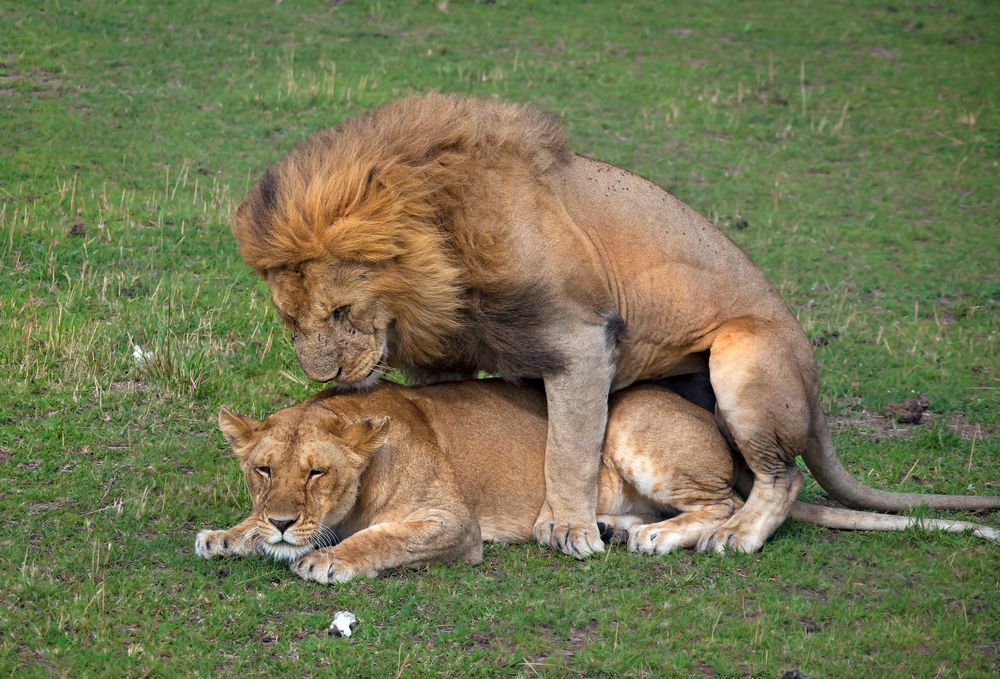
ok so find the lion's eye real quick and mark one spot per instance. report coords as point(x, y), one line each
point(339, 313)
point(263, 471)
point(288, 320)
point(314, 473)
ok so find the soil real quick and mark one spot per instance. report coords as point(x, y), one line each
point(901, 420)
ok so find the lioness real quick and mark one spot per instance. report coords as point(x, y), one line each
point(443, 236)
point(352, 484)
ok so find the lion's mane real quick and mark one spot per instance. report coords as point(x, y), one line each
point(391, 185)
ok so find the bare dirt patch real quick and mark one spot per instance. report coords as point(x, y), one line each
point(904, 419)
point(40, 507)
point(966, 429)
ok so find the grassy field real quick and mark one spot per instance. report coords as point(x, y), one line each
point(852, 148)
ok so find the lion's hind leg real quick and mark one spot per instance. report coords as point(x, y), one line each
point(689, 504)
point(667, 463)
point(766, 382)
point(672, 509)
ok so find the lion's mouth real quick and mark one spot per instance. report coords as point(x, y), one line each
point(359, 380)
point(366, 382)
point(356, 370)
point(332, 377)
point(322, 377)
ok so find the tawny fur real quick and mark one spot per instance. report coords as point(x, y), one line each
point(444, 235)
point(417, 476)
point(389, 187)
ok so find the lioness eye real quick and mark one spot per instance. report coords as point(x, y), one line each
point(264, 471)
point(316, 472)
point(339, 313)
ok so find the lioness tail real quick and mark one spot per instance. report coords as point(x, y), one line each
point(852, 519)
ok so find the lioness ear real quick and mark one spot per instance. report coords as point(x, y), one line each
point(238, 430)
point(368, 435)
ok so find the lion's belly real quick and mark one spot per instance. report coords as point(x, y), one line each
point(650, 361)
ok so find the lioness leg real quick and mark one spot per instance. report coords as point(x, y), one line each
point(680, 532)
point(435, 538)
point(239, 540)
point(577, 410)
point(615, 527)
point(765, 384)
point(666, 456)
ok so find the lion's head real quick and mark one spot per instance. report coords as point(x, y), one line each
point(360, 231)
point(338, 322)
point(303, 467)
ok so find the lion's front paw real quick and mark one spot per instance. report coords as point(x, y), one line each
point(577, 540)
point(322, 568)
point(212, 543)
point(653, 539)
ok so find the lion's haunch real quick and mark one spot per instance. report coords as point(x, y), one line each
point(474, 239)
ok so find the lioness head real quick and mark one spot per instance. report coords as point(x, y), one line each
point(303, 467)
point(338, 325)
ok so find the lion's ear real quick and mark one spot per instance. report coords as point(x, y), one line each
point(238, 430)
point(368, 435)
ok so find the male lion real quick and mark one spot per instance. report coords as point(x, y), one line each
point(353, 484)
point(443, 236)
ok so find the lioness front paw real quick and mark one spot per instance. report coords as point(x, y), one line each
point(322, 568)
point(653, 539)
point(212, 543)
point(576, 540)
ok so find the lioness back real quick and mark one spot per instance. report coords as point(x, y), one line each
point(493, 435)
point(352, 484)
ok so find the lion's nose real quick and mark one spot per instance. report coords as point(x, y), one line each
point(281, 524)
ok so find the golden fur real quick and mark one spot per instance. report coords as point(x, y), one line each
point(345, 485)
point(443, 236)
point(397, 199)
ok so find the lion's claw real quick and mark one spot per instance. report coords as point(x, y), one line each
point(730, 537)
point(653, 539)
point(578, 540)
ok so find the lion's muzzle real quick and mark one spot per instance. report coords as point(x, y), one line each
point(351, 360)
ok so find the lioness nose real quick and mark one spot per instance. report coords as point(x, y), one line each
point(281, 524)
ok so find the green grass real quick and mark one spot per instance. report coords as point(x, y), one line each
point(859, 141)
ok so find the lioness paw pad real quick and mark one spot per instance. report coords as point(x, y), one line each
point(211, 543)
point(321, 569)
point(728, 539)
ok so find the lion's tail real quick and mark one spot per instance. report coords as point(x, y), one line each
point(822, 461)
point(851, 519)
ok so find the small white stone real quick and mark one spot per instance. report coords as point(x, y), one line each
point(343, 623)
